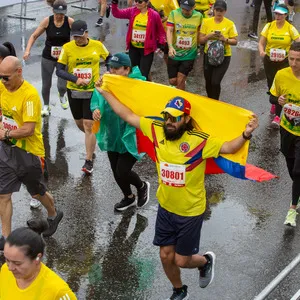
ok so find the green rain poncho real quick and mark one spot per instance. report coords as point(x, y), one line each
point(115, 134)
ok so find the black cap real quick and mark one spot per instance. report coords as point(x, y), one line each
point(220, 4)
point(187, 4)
point(78, 28)
point(59, 8)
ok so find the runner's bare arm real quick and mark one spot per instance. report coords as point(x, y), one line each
point(39, 31)
point(236, 144)
point(24, 131)
point(170, 30)
point(262, 46)
point(120, 109)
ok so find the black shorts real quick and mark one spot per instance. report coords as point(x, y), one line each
point(289, 144)
point(80, 108)
point(179, 66)
point(182, 232)
point(18, 166)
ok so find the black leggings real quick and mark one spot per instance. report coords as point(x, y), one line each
point(138, 58)
point(121, 165)
point(293, 165)
point(258, 3)
point(271, 68)
point(213, 77)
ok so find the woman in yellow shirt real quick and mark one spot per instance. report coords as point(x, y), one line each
point(24, 276)
point(274, 44)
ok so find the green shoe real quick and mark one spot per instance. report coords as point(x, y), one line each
point(64, 102)
point(291, 218)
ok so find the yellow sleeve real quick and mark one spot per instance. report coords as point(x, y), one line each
point(212, 147)
point(65, 293)
point(146, 127)
point(32, 107)
point(294, 32)
point(63, 57)
point(171, 18)
point(232, 31)
point(103, 51)
point(265, 30)
point(274, 90)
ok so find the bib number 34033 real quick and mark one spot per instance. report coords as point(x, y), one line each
point(83, 73)
point(172, 174)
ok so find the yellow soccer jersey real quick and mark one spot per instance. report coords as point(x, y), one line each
point(46, 286)
point(279, 38)
point(285, 83)
point(226, 27)
point(83, 62)
point(139, 30)
point(203, 5)
point(181, 167)
point(19, 107)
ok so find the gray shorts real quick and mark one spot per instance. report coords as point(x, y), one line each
point(18, 166)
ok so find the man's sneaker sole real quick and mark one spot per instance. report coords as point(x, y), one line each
point(212, 269)
point(148, 195)
point(134, 203)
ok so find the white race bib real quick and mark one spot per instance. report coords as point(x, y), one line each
point(138, 36)
point(277, 54)
point(9, 123)
point(55, 51)
point(184, 42)
point(84, 73)
point(171, 174)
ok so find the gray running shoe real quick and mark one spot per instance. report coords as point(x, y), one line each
point(253, 35)
point(207, 272)
point(180, 294)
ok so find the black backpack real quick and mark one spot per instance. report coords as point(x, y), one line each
point(215, 53)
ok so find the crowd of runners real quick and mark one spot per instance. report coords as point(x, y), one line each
point(191, 28)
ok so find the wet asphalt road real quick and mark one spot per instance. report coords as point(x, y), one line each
point(104, 255)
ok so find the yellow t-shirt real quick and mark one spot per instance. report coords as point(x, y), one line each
point(46, 286)
point(19, 107)
point(226, 27)
point(285, 83)
point(83, 62)
point(181, 167)
point(203, 5)
point(139, 30)
point(279, 38)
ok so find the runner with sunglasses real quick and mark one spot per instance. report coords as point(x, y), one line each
point(145, 33)
point(22, 153)
point(183, 39)
point(181, 153)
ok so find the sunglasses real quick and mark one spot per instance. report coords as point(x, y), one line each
point(167, 116)
point(5, 78)
point(139, 1)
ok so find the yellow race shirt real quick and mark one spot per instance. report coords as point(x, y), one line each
point(279, 40)
point(185, 34)
point(285, 83)
point(203, 5)
point(181, 167)
point(83, 62)
point(46, 286)
point(139, 30)
point(19, 107)
point(226, 27)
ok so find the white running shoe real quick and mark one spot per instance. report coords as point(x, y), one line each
point(46, 111)
point(64, 102)
point(34, 203)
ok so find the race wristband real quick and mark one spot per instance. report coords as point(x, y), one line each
point(246, 137)
point(7, 134)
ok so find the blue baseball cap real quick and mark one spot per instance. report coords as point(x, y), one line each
point(177, 106)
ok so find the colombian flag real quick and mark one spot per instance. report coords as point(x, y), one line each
point(211, 116)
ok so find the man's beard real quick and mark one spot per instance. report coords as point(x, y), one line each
point(176, 134)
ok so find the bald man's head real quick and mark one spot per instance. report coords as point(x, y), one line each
point(11, 72)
